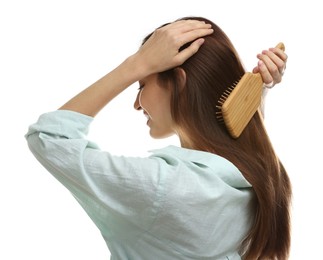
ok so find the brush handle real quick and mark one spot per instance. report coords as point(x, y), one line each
point(280, 46)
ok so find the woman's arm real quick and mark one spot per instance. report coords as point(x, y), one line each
point(159, 53)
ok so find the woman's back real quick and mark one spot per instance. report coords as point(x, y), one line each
point(176, 204)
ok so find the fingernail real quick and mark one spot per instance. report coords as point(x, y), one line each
point(201, 41)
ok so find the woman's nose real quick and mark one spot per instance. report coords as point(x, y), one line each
point(136, 105)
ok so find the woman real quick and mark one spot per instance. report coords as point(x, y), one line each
point(212, 198)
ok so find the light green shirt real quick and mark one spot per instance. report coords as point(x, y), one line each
point(175, 204)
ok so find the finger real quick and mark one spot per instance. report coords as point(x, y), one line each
point(189, 51)
point(184, 26)
point(189, 30)
point(281, 64)
point(187, 25)
point(280, 53)
point(182, 32)
point(255, 70)
point(265, 74)
point(192, 35)
point(271, 67)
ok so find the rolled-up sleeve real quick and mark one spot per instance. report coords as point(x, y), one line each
point(116, 192)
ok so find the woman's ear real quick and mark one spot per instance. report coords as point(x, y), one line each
point(181, 75)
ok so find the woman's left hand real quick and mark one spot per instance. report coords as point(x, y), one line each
point(271, 66)
point(161, 51)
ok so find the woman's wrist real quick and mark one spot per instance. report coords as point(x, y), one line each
point(137, 67)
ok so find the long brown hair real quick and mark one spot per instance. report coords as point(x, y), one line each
point(208, 73)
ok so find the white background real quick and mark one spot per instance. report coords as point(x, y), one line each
point(50, 50)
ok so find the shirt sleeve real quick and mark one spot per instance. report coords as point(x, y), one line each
point(117, 192)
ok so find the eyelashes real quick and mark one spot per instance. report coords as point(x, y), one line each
point(141, 87)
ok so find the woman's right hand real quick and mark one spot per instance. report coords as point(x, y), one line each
point(161, 51)
point(271, 66)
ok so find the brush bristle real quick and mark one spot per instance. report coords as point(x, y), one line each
point(221, 101)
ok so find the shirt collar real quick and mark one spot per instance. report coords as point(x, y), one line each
point(226, 170)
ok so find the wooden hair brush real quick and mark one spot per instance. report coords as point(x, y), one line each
point(239, 102)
